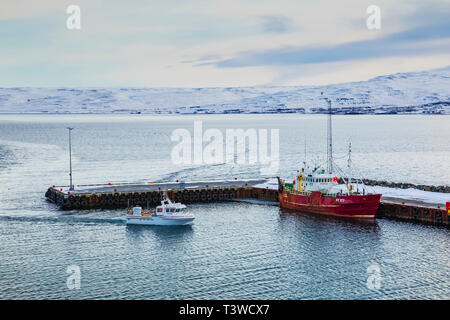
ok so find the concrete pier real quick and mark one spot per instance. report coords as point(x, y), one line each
point(414, 211)
point(122, 195)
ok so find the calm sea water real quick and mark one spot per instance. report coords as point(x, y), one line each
point(234, 250)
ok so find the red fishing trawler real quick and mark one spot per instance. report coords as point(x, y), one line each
point(319, 191)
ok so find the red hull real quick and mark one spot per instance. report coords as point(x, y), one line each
point(352, 206)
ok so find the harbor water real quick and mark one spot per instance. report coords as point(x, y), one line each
point(234, 250)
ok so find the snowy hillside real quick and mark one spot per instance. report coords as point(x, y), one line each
point(417, 92)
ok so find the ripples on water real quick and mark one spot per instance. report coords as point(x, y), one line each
point(233, 251)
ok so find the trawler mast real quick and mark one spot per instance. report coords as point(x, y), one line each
point(329, 139)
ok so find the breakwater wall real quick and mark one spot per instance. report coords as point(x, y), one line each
point(117, 196)
point(413, 213)
point(120, 196)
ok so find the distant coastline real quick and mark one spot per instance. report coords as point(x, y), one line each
point(437, 108)
point(425, 92)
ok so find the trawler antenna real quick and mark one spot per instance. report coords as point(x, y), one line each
point(329, 138)
point(349, 163)
point(304, 162)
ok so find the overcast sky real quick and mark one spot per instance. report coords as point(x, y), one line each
point(209, 43)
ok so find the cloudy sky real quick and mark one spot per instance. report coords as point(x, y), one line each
point(208, 43)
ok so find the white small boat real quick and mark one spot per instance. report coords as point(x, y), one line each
point(167, 214)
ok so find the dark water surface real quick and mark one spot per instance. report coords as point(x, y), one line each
point(234, 250)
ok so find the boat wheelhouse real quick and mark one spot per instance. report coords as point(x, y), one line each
point(167, 214)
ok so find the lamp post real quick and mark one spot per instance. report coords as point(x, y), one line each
point(70, 157)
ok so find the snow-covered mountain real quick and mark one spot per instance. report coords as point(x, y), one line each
point(415, 92)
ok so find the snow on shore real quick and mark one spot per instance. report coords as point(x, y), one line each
point(413, 194)
point(414, 92)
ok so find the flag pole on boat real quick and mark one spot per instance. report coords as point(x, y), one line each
point(70, 157)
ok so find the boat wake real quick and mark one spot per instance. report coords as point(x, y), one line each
point(63, 219)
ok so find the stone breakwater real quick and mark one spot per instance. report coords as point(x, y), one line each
point(403, 185)
point(144, 195)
